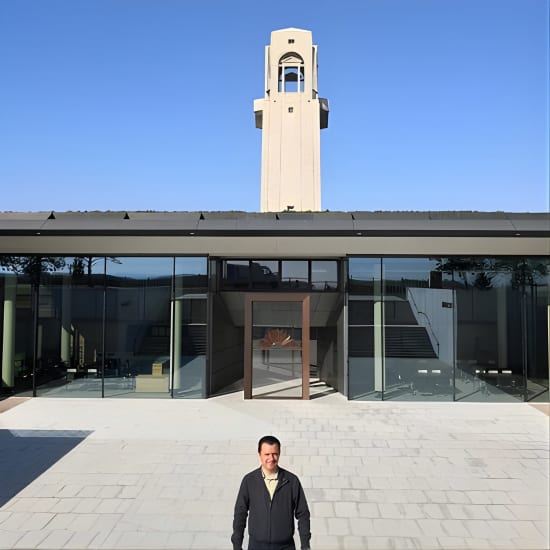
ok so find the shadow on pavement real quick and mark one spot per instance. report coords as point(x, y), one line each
point(26, 454)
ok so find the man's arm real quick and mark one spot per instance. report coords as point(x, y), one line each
point(240, 515)
point(302, 515)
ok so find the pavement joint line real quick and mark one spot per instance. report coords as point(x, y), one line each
point(165, 474)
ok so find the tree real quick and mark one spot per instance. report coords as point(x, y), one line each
point(32, 266)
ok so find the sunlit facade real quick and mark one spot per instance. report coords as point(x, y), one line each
point(374, 306)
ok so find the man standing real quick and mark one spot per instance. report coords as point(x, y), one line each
point(271, 498)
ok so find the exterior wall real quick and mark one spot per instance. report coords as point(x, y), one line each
point(275, 246)
point(290, 122)
point(291, 169)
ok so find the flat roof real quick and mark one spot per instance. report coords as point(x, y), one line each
point(234, 223)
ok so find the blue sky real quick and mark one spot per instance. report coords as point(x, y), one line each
point(147, 104)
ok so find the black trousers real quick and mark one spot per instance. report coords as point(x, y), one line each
point(257, 545)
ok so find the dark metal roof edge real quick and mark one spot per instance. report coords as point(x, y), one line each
point(277, 233)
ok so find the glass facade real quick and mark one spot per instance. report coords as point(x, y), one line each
point(285, 275)
point(442, 329)
point(137, 326)
point(104, 326)
point(70, 327)
point(189, 327)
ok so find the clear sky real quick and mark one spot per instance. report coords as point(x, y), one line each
point(147, 104)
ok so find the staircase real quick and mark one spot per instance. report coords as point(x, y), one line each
point(155, 345)
point(193, 342)
point(408, 341)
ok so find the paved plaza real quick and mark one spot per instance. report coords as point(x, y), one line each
point(152, 473)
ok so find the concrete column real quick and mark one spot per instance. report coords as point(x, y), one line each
point(8, 335)
point(65, 344)
point(178, 314)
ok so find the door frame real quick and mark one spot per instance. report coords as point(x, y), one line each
point(249, 300)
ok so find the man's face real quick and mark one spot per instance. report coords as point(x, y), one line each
point(269, 457)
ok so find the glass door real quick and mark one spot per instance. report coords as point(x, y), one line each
point(276, 359)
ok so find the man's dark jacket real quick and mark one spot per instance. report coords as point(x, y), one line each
point(270, 521)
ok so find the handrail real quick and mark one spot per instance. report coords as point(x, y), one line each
point(429, 325)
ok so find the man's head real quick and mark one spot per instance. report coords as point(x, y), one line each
point(269, 449)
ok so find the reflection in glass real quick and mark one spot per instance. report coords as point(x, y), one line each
point(48, 341)
point(324, 275)
point(365, 375)
point(57, 306)
point(189, 340)
point(192, 272)
point(70, 327)
point(236, 274)
point(463, 328)
point(501, 346)
point(264, 274)
point(137, 321)
point(18, 287)
point(294, 274)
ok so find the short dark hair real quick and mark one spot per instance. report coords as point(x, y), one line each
point(268, 440)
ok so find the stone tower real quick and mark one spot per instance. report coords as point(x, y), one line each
point(291, 116)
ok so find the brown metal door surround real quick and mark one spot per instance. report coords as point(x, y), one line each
point(275, 334)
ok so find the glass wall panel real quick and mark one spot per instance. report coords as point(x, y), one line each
point(192, 272)
point(534, 281)
point(262, 274)
point(236, 274)
point(501, 343)
point(190, 324)
point(463, 328)
point(137, 321)
point(324, 275)
point(418, 331)
point(365, 337)
point(265, 274)
point(295, 274)
point(70, 327)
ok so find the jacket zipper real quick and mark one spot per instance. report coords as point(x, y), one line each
point(279, 485)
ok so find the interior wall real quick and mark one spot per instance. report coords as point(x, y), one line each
point(327, 355)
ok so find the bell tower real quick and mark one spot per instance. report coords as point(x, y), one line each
point(291, 116)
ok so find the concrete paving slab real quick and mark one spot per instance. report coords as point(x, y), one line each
point(92, 473)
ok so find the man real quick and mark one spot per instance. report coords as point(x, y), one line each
point(271, 498)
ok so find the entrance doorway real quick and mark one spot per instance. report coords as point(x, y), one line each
point(277, 346)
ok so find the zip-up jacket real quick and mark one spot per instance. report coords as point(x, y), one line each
point(271, 520)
